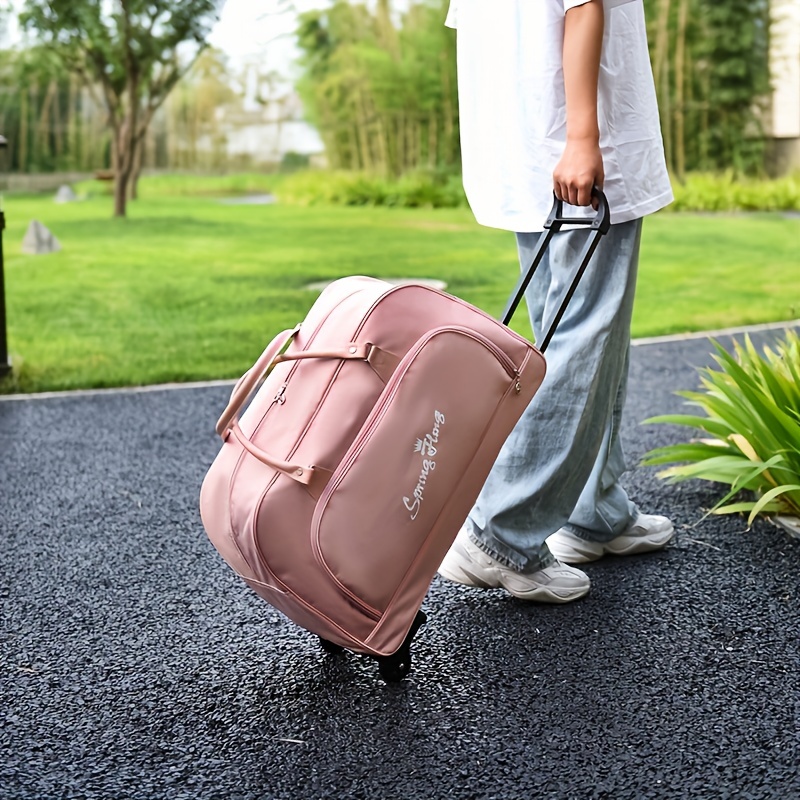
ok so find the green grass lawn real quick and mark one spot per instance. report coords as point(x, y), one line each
point(190, 289)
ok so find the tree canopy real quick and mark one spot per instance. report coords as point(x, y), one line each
point(711, 66)
point(133, 52)
point(381, 91)
point(381, 85)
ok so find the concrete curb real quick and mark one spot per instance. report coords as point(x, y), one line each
point(166, 387)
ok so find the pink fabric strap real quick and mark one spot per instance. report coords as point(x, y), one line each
point(382, 362)
point(248, 382)
point(315, 478)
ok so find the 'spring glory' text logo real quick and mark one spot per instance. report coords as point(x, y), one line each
point(427, 448)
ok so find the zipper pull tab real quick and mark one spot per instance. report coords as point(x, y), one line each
point(280, 398)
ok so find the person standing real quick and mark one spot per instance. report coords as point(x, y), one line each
point(557, 96)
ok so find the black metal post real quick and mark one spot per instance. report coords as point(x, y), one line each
point(5, 362)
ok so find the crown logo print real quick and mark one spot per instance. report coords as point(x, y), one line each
point(418, 446)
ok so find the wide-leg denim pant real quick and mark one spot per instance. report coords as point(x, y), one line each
point(562, 463)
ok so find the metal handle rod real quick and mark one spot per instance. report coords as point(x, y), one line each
point(599, 224)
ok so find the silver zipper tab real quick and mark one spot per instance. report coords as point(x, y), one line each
point(280, 398)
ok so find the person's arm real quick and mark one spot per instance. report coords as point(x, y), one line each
point(581, 165)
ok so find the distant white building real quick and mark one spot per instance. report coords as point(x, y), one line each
point(784, 118)
point(264, 135)
point(269, 142)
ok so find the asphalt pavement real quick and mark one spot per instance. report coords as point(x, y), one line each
point(135, 664)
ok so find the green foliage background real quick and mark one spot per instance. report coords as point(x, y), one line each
point(384, 93)
point(381, 87)
point(711, 68)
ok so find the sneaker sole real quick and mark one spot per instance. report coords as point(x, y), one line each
point(539, 594)
point(544, 594)
point(628, 546)
point(621, 546)
point(572, 555)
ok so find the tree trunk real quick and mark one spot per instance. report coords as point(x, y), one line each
point(661, 55)
point(449, 124)
point(23, 131)
point(57, 128)
point(136, 171)
point(357, 162)
point(387, 35)
point(44, 128)
point(362, 129)
point(419, 144)
point(661, 78)
point(73, 146)
point(383, 144)
point(433, 141)
point(120, 196)
point(391, 142)
point(121, 177)
point(680, 93)
point(124, 147)
point(193, 114)
point(129, 131)
point(36, 132)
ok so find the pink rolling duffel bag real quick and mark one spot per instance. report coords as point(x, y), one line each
point(338, 492)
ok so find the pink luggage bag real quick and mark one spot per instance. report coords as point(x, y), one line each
point(338, 492)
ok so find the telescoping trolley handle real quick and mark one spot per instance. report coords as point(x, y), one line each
point(599, 224)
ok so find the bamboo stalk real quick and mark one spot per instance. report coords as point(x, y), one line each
point(57, 129)
point(73, 138)
point(661, 74)
point(361, 129)
point(23, 130)
point(680, 85)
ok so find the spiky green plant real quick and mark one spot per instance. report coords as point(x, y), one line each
point(752, 407)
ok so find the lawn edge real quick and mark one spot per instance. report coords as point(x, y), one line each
point(166, 387)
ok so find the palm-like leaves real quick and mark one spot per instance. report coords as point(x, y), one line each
point(752, 407)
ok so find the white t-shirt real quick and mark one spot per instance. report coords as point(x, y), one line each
point(513, 110)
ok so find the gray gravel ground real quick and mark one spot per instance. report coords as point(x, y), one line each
point(134, 664)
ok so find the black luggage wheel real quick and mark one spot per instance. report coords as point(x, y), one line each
point(395, 667)
point(392, 668)
point(330, 647)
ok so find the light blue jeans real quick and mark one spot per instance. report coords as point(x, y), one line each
point(562, 463)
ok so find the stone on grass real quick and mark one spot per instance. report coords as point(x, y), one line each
point(39, 240)
point(66, 195)
point(250, 200)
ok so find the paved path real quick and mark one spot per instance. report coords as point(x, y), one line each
point(134, 664)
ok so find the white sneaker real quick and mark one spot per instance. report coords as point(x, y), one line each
point(465, 563)
point(648, 532)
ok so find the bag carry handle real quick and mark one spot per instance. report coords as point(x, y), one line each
point(381, 361)
point(247, 383)
point(228, 423)
point(599, 224)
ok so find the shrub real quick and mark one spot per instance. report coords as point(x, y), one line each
point(293, 161)
point(727, 192)
point(752, 407)
point(415, 190)
point(187, 184)
point(443, 189)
